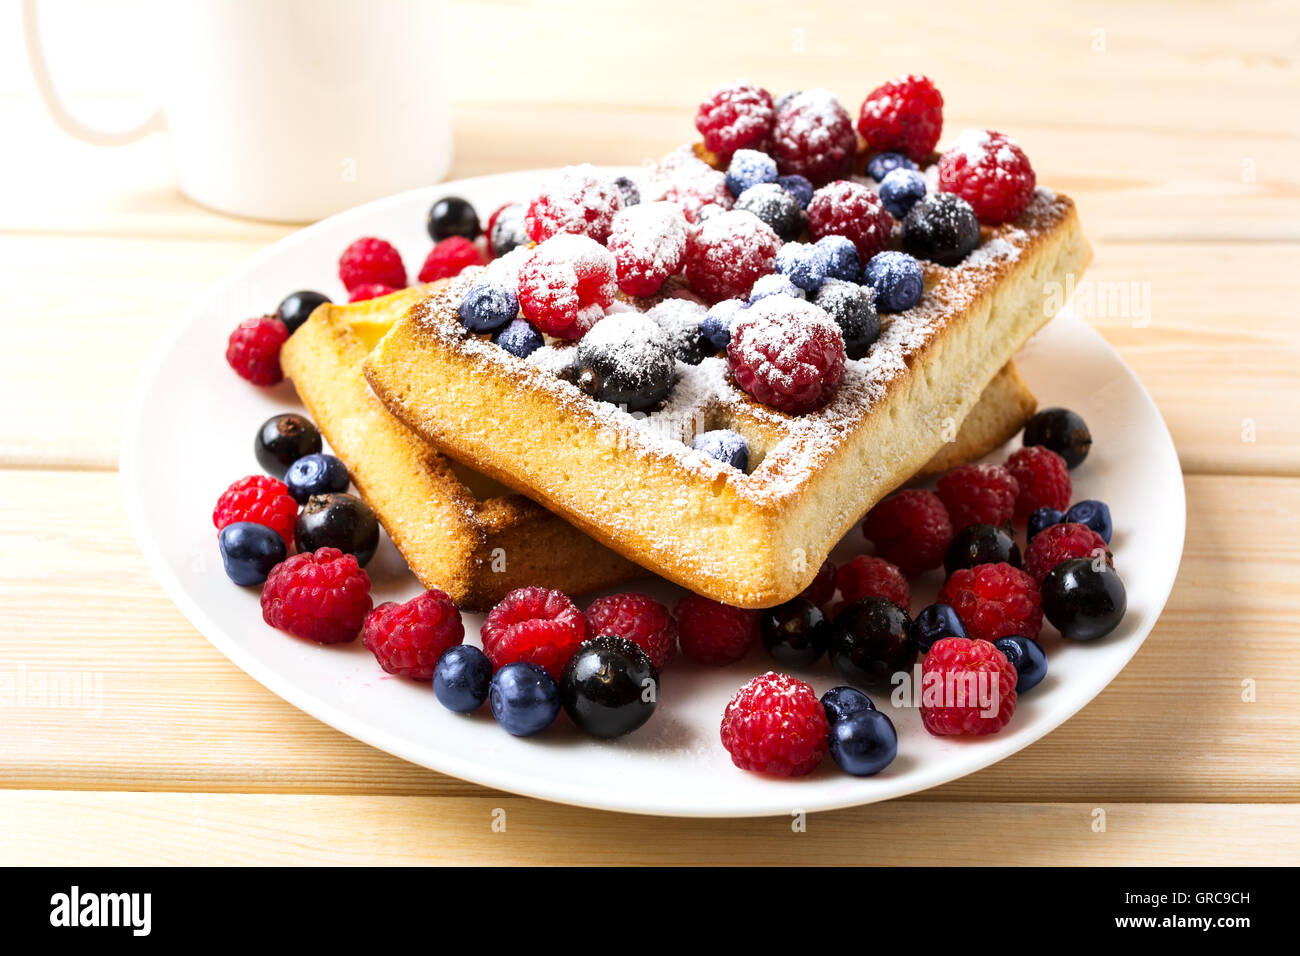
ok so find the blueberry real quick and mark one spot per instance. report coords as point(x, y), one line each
point(488, 305)
point(508, 231)
point(628, 191)
point(626, 359)
point(1084, 599)
point(296, 308)
point(981, 544)
point(864, 743)
point(795, 633)
point(854, 309)
point(802, 264)
point(841, 255)
point(840, 702)
point(716, 324)
point(900, 190)
point(461, 678)
point(896, 279)
point(609, 687)
point(774, 284)
point(774, 206)
point(724, 445)
point(1027, 657)
point(798, 187)
point(748, 168)
point(934, 623)
point(871, 641)
point(453, 216)
point(943, 228)
point(680, 320)
point(249, 551)
point(882, 164)
point(519, 338)
point(524, 698)
point(282, 440)
point(784, 99)
point(338, 520)
point(1095, 514)
point(317, 474)
point(1061, 430)
point(1041, 519)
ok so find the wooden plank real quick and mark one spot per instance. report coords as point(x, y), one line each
point(75, 596)
point(101, 829)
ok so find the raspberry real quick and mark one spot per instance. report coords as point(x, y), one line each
point(775, 724)
point(903, 116)
point(260, 499)
point(1060, 542)
point(253, 349)
point(978, 494)
point(566, 285)
point(714, 633)
point(407, 639)
point(994, 600)
point(1044, 480)
point(736, 116)
point(371, 261)
point(727, 254)
point(813, 137)
point(535, 625)
point(851, 210)
point(580, 201)
point(991, 172)
point(322, 596)
point(449, 258)
point(911, 529)
point(822, 588)
point(972, 686)
point(786, 353)
point(371, 290)
point(869, 576)
point(648, 241)
point(638, 618)
point(684, 178)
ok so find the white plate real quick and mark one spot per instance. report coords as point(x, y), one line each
point(191, 415)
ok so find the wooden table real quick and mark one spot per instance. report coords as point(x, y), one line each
point(1174, 126)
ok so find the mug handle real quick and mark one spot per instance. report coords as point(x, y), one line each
point(59, 112)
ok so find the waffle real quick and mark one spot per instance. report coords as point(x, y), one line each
point(464, 533)
point(749, 539)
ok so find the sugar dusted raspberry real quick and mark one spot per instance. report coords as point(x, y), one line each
point(684, 178)
point(407, 639)
point(535, 625)
point(640, 619)
point(813, 137)
point(1061, 542)
point(869, 576)
point(371, 290)
point(978, 494)
point(911, 529)
point(566, 285)
point(322, 596)
point(728, 253)
point(260, 499)
point(736, 116)
point(775, 724)
point(713, 633)
point(648, 241)
point(852, 210)
point(903, 116)
point(991, 172)
point(580, 201)
point(787, 353)
point(253, 349)
point(822, 588)
point(450, 257)
point(371, 261)
point(967, 687)
point(1044, 480)
point(994, 600)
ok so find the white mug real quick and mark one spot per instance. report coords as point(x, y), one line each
point(289, 110)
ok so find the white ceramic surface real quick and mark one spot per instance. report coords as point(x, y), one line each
point(191, 416)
